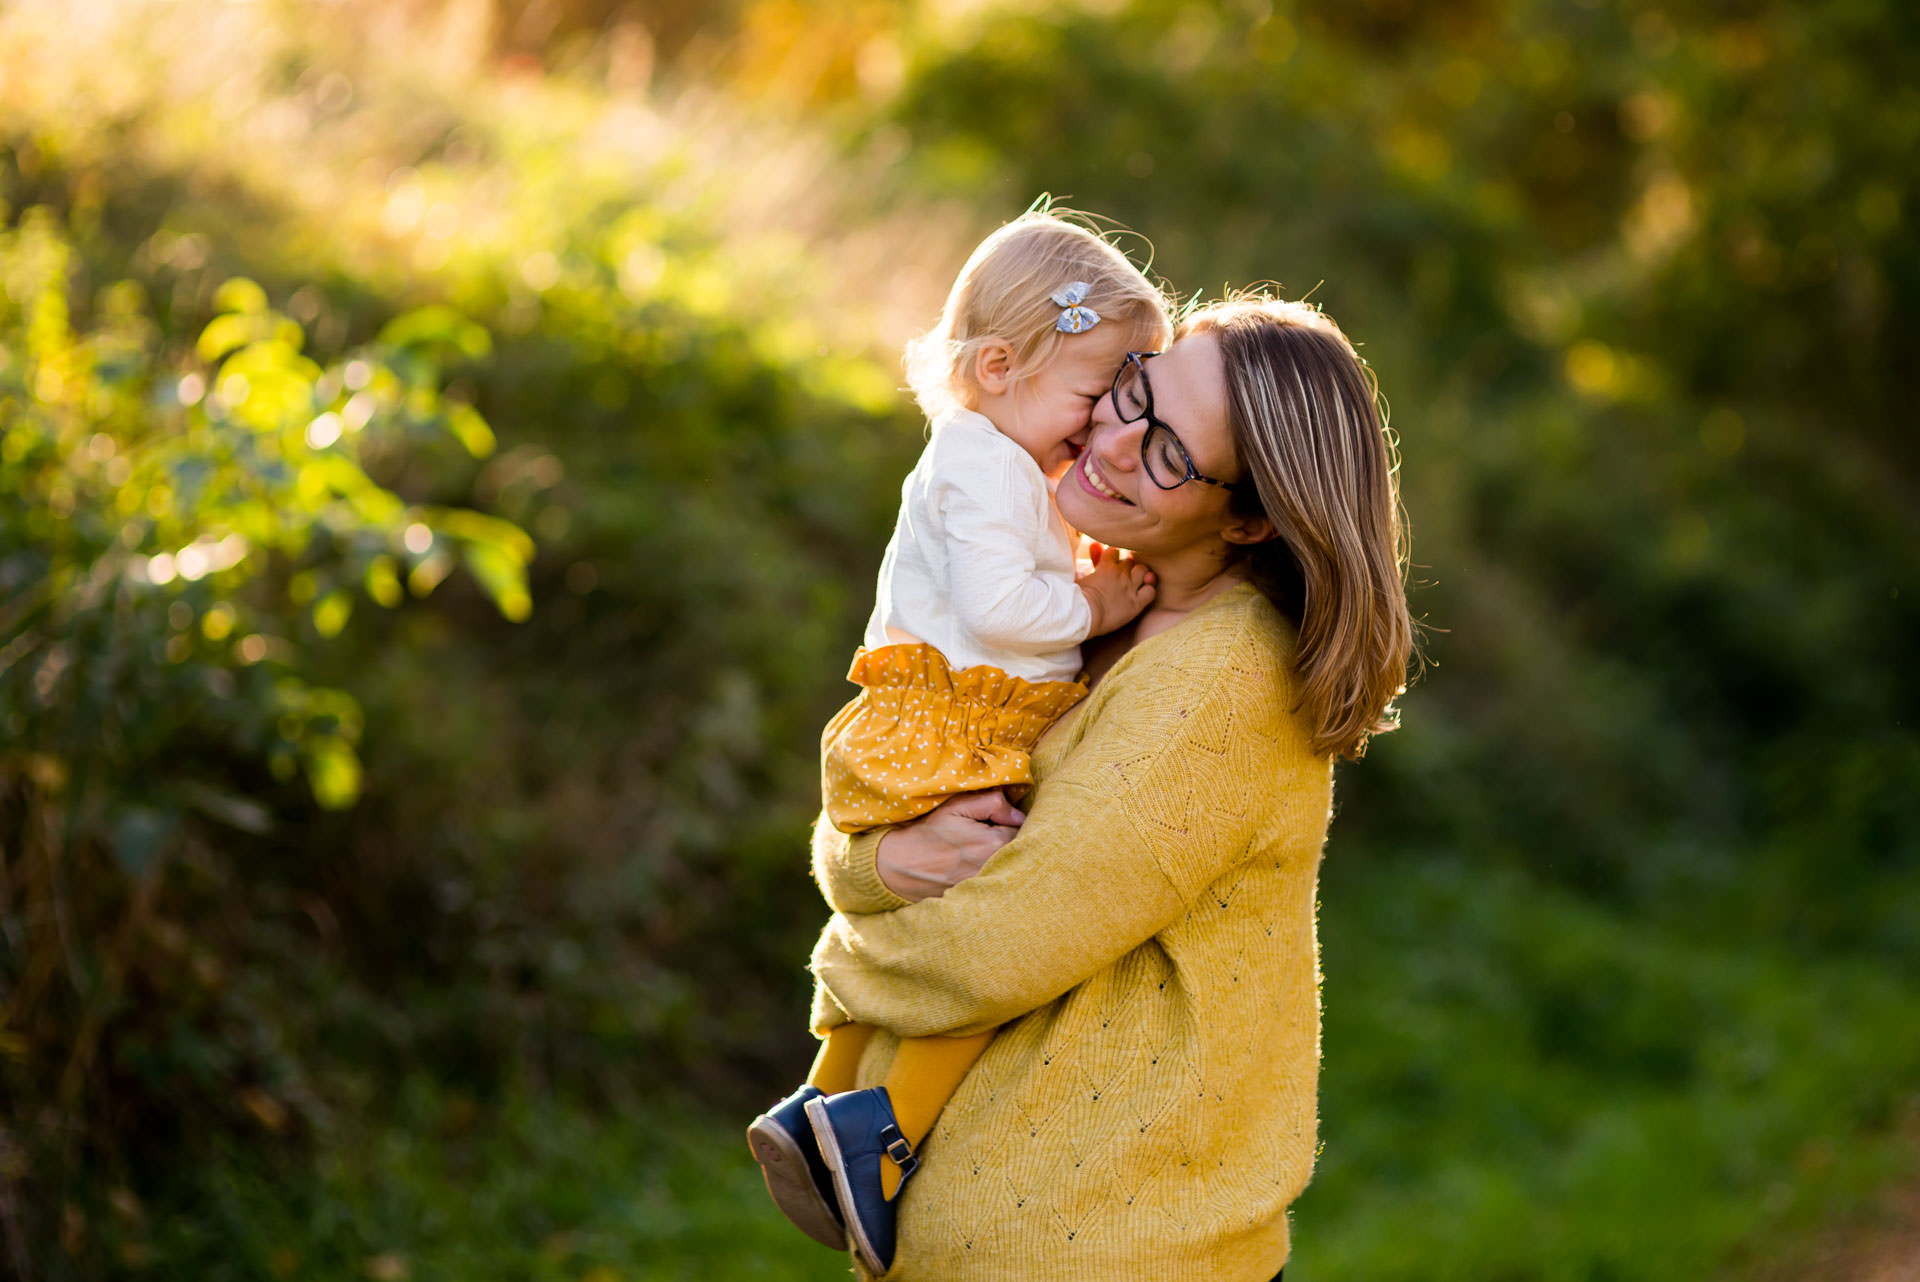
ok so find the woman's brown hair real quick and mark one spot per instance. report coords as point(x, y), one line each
point(1306, 419)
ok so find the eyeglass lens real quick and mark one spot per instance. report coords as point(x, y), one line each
point(1130, 394)
point(1166, 460)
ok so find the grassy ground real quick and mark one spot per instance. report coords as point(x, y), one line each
point(1720, 1108)
point(535, 1189)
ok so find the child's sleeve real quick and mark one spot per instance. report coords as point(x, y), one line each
point(998, 516)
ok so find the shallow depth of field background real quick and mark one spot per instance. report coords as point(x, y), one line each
point(444, 452)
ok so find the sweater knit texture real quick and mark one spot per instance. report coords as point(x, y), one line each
point(1146, 946)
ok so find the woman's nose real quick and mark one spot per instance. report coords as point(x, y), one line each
point(1115, 444)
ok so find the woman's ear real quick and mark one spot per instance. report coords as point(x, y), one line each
point(993, 367)
point(1248, 530)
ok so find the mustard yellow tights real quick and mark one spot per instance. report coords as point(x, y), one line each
point(926, 1072)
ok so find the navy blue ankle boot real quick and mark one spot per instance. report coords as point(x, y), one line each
point(801, 1186)
point(857, 1132)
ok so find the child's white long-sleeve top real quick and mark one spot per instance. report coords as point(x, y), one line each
point(980, 565)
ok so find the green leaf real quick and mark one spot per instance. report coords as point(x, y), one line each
point(240, 295)
point(465, 422)
point(271, 357)
point(437, 326)
point(331, 612)
point(383, 582)
point(503, 576)
point(333, 772)
point(224, 334)
point(477, 527)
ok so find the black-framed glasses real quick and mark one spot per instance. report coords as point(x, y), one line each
point(1168, 464)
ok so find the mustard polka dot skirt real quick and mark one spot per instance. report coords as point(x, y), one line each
point(920, 732)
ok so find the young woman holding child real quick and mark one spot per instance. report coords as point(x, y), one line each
point(1090, 1033)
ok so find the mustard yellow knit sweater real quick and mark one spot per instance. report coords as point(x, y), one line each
point(1146, 946)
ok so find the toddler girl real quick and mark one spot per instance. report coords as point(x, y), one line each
point(971, 652)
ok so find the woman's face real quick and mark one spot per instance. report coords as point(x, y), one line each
point(1107, 494)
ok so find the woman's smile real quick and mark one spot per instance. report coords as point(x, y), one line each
point(1090, 477)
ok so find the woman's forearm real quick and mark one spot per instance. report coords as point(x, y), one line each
point(1043, 916)
point(1121, 840)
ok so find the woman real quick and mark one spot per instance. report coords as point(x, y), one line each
point(1145, 945)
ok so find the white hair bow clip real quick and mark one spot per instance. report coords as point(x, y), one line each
point(1075, 319)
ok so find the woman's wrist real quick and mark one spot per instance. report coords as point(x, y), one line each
point(896, 881)
point(867, 873)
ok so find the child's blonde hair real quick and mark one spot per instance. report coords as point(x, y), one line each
point(1005, 294)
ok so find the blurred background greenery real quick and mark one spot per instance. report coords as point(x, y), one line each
point(444, 452)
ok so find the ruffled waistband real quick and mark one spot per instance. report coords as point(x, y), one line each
point(918, 666)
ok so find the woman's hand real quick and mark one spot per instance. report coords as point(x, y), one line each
point(947, 845)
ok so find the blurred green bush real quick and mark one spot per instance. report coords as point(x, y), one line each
point(182, 526)
point(1608, 925)
point(579, 778)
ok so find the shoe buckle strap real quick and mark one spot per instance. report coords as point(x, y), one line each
point(899, 1150)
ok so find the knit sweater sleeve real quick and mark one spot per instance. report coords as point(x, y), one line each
point(1165, 791)
point(847, 868)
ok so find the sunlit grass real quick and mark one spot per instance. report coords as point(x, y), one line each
point(1519, 1085)
point(1718, 1116)
point(330, 146)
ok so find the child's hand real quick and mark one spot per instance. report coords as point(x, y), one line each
point(1118, 588)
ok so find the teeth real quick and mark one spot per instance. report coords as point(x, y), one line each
point(1093, 479)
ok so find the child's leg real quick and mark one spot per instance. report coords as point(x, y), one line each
point(926, 1072)
point(839, 1058)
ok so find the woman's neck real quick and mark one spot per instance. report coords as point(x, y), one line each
point(1183, 582)
point(1182, 585)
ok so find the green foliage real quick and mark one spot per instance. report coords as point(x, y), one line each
point(560, 824)
point(170, 523)
point(180, 533)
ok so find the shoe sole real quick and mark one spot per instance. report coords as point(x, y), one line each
point(830, 1151)
point(790, 1184)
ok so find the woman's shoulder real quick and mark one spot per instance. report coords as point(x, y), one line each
point(1237, 632)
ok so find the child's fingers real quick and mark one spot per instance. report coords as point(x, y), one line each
point(1140, 582)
